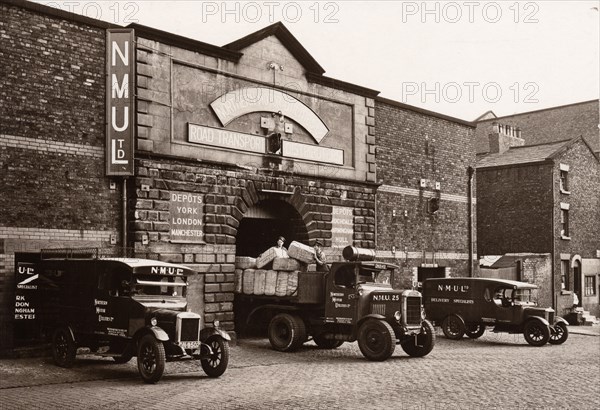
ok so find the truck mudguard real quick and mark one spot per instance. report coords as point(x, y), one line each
point(211, 331)
point(560, 319)
point(539, 319)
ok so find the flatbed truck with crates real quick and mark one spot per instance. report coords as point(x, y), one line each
point(354, 301)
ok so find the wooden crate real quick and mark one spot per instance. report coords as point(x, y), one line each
point(301, 252)
point(282, 282)
point(260, 275)
point(248, 281)
point(270, 282)
point(245, 262)
point(239, 280)
point(292, 284)
point(288, 264)
point(265, 258)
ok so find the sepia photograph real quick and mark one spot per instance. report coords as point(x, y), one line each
point(300, 204)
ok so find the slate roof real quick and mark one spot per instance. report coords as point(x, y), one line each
point(522, 155)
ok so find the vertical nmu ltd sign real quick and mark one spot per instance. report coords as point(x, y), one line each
point(120, 76)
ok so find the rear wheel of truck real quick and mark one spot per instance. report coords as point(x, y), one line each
point(376, 339)
point(150, 359)
point(474, 330)
point(453, 327)
point(327, 343)
point(64, 349)
point(536, 333)
point(559, 334)
point(216, 364)
point(287, 332)
point(421, 344)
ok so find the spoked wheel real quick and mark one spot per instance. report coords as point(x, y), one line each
point(536, 333)
point(376, 339)
point(474, 330)
point(64, 349)
point(287, 332)
point(559, 334)
point(150, 359)
point(327, 343)
point(216, 364)
point(421, 344)
point(453, 327)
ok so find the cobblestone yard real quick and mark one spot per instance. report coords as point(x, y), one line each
point(498, 371)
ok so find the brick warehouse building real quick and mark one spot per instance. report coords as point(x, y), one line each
point(543, 199)
point(423, 163)
point(204, 178)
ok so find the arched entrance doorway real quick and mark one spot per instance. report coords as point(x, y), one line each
point(264, 222)
point(259, 229)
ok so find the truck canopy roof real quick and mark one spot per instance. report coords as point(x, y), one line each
point(134, 265)
point(491, 281)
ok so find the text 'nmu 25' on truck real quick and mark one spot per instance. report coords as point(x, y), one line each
point(133, 307)
point(353, 301)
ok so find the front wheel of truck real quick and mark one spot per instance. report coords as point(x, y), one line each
point(150, 359)
point(421, 344)
point(216, 364)
point(286, 332)
point(559, 334)
point(376, 339)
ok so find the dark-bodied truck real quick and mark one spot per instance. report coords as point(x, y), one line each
point(125, 307)
point(467, 305)
point(355, 300)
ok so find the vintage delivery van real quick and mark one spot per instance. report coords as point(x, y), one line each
point(126, 307)
point(467, 305)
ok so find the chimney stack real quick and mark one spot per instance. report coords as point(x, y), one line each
point(503, 137)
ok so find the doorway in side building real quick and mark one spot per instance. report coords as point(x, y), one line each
point(259, 229)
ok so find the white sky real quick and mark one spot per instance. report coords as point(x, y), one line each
point(459, 58)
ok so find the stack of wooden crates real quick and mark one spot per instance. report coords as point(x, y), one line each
point(272, 276)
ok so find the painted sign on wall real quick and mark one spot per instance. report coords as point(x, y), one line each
point(342, 226)
point(120, 101)
point(26, 297)
point(186, 217)
point(216, 137)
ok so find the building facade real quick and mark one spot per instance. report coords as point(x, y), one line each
point(197, 154)
point(425, 164)
point(543, 199)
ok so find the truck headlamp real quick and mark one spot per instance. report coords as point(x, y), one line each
point(216, 323)
point(153, 321)
point(397, 316)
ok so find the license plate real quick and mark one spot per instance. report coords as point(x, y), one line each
point(190, 345)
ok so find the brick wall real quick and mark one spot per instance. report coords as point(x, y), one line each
point(414, 146)
point(228, 193)
point(52, 191)
point(514, 209)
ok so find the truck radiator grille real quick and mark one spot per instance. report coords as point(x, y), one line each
point(551, 317)
point(189, 329)
point(378, 309)
point(413, 310)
